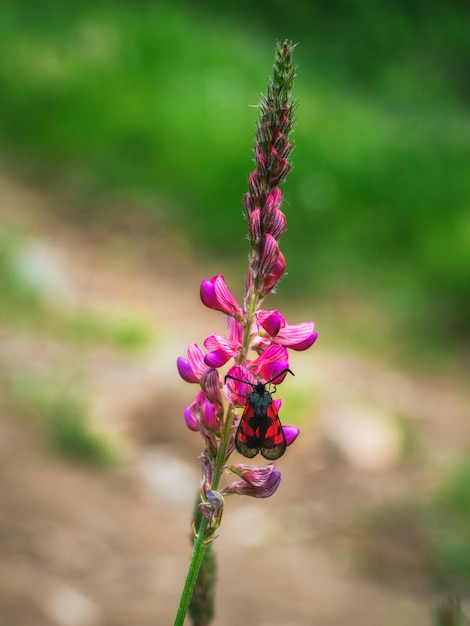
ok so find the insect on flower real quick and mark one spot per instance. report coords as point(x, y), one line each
point(260, 428)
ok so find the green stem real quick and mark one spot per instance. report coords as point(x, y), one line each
point(200, 543)
point(199, 548)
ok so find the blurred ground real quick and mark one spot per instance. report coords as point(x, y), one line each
point(83, 547)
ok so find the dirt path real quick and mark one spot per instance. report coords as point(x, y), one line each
point(86, 548)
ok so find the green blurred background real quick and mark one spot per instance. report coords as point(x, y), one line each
point(137, 119)
point(149, 102)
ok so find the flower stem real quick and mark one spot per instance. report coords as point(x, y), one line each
point(199, 548)
point(202, 536)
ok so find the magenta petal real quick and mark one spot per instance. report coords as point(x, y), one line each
point(235, 391)
point(304, 345)
point(255, 476)
point(291, 433)
point(275, 197)
point(254, 225)
point(209, 417)
point(220, 350)
point(218, 342)
point(274, 371)
point(243, 488)
point(196, 359)
point(186, 371)
point(190, 419)
point(210, 384)
point(275, 275)
point(273, 361)
point(297, 336)
point(235, 330)
point(208, 294)
point(216, 295)
point(273, 323)
point(269, 255)
point(279, 224)
point(217, 358)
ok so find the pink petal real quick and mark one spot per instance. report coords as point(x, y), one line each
point(186, 371)
point(273, 361)
point(275, 275)
point(217, 358)
point(238, 385)
point(271, 321)
point(216, 295)
point(220, 350)
point(291, 433)
point(243, 488)
point(192, 368)
point(235, 330)
point(269, 255)
point(255, 476)
point(297, 336)
point(191, 419)
point(254, 226)
point(209, 416)
point(278, 224)
point(210, 384)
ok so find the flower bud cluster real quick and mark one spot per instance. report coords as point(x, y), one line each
point(266, 222)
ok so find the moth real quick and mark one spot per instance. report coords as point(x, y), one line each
point(260, 429)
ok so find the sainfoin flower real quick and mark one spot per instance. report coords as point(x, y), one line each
point(236, 372)
point(233, 369)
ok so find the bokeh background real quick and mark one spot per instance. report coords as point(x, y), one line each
point(126, 133)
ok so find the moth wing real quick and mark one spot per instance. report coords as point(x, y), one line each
point(273, 444)
point(247, 439)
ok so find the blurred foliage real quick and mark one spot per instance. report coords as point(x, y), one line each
point(449, 613)
point(30, 299)
point(148, 103)
point(64, 420)
point(19, 298)
point(450, 530)
point(427, 538)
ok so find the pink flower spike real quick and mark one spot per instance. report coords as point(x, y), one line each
point(216, 295)
point(291, 433)
point(297, 336)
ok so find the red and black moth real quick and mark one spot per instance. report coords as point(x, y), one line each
point(260, 428)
